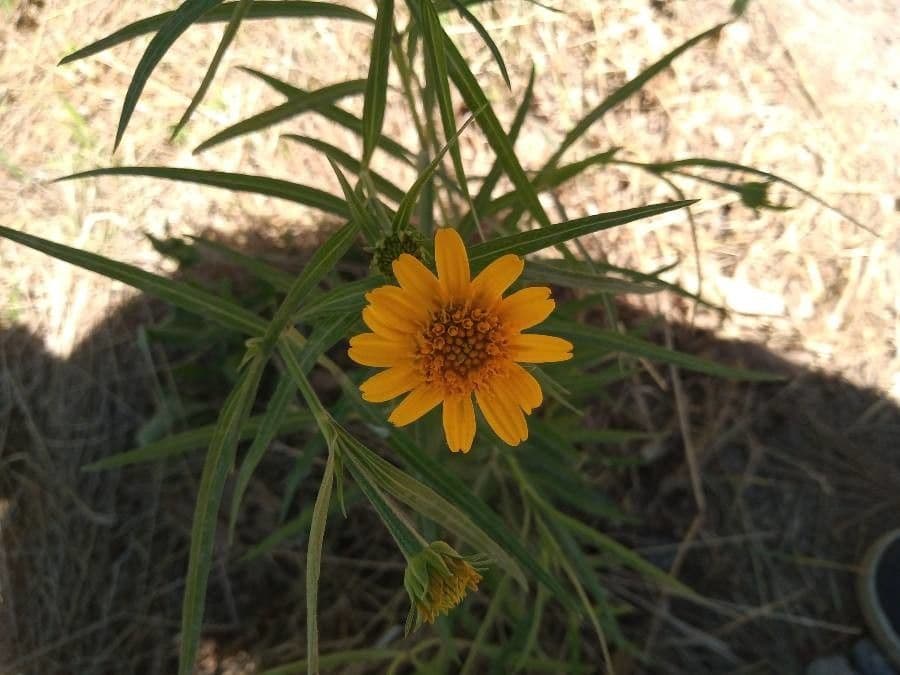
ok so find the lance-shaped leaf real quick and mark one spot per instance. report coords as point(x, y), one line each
point(377, 82)
point(290, 108)
point(483, 198)
point(335, 114)
point(195, 439)
point(219, 460)
point(433, 39)
point(260, 9)
point(174, 26)
point(238, 182)
point(179, 293)
point(629, 344)
point(523, 243)
point(237, 16)
point(476, 99)
point(488, 40)
point(385, 187)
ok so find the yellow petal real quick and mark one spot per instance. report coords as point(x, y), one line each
point(386, 316)
point(369, 349)
point(383, 325)
point(521, 386)
point(539, 348)
point(417, 279)
point(459, 423)
point(422, 399)
point(526, 308)
point(390, 383)
point(505, 418)
point(400, 305)
point(494, 279)
point(452, 263)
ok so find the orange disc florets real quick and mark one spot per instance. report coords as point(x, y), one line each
point(460, 346)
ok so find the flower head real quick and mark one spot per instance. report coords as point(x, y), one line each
point(437, 580)
point(448, 337)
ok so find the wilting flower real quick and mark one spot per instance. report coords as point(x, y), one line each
point(437, 579)
point(445, 338)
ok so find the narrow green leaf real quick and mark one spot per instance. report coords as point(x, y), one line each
point(405, 209)
point(219, 460)
point(187, 441)
point(475, 98)
point(483, 198)
point(237, 16)
point(290, 108)
point(628, 344)
point(531, 241)
point(336, 115)
point(426, 502)
point(178, 22)
point(627, 90)
point(446, 484)
point(260, 9)
point(433, 39)
point(405, 538)
point(346, 298)
point(662, 167)
point(377, 82)
point(238, 182)
point(488, 40)
point(276, 410)
point(358, 212)
point(179, 293)
point(314, 563)
point(385, 187)
point(322, 261)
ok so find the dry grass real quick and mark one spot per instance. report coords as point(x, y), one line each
point(799, 88)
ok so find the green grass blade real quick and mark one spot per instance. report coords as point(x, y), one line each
point(523, 243)
point(377, 82)
point(178, 22)
point(488, 40)
point(628, 344)
point(483, 198)
point(433, 39)
point(238, 182)
point(385, 187)
point(268, 429)
point(336, 115)
point(195, 439)
point(183, 295)
point(626, 91)
point(260, 9)
point(290, 108)
point(237, 16)
point(219, 460)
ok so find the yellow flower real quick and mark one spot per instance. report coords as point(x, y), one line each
point(445, 338)
point(437, 579)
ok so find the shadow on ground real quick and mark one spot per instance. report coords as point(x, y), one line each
point(798, 478)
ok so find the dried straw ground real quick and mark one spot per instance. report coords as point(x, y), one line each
point(800, 88)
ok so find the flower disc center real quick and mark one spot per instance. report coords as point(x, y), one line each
point(459, 346)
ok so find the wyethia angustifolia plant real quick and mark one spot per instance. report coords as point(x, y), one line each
point(503, 539)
